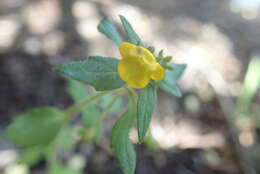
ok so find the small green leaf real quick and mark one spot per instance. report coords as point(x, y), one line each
point(108, 28)
point(167, 59)
point(35, 127)
point(131, 34)
point(151, 48)
point(76, 90)
point(66, 138)
point(177, 72)
point(145, 107)
point(169, 83)
point(121, 144)
point(30, 156)
point(169, 67)
point(90, 115)
point(99, 72)
point(160, 55)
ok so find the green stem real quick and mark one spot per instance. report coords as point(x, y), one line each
point(132, 93)
point(76, 108)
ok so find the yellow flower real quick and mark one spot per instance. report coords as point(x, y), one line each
point(138, 65)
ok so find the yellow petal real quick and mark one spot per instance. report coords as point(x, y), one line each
point(158, 73)
point(135, 74)
point(125, 49)
point(138, 65)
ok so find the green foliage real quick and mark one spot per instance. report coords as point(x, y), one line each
point(131, 34)
point(167, 59)
point(66, 138)
point(45, 131)
point(151, 48)
point(120, 142)
point(108, 28)
point(35, 127)
point(77, 90)
point(250, 85)
point(99, 72)
point(90, 113)
point(145, 107)
point(63, 169)
point(169, 83)
point(32, 155)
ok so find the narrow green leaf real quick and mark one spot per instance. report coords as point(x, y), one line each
point(145, 107)
point(108, 28)
point(121, 144)
point(167, 59)
point(151, 48)
point(169, 83)
point(35, 127)
point(160, 53)
point(131, 34)
point(99, 72)
point(169, 67)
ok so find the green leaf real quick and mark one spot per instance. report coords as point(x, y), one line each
point(160, 53)
point(169, 83)
point(177, 72)
point(63, 169)
point(90, 115)
point(30, 156)
point(145, 107)
point(35, 127)
point(121, 144)
point(66, 138)
point(167, 59)
point(131, 34)
point(108, 28)
point(172, 89)
point(76, 90)
point(99, 72)
point(151, 48)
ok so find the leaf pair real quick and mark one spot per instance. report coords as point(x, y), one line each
point(107, 27)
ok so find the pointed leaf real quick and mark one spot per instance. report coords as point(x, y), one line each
point(99, 72)
point(145, 107)
point(121, 144)
point(108, 28)
point(169, 83)
point(35, 127)
point(172, 89)
point(131, 34)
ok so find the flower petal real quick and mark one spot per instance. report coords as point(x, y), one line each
point(134, 73)
point(125, 49)
point(158, 73)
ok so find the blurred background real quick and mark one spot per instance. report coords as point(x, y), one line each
point(213, 129)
